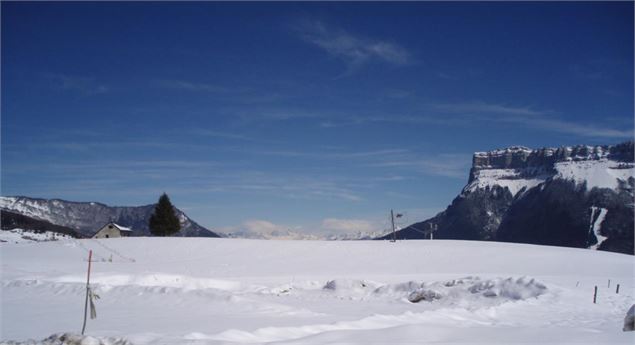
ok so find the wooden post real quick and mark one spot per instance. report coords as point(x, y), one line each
point(392, 219)
point(595, 294)
point(618, 289)
point(90, 257)
point(609, 284)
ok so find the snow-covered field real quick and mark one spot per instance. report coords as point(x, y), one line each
point(233, 291)
point(21, 236)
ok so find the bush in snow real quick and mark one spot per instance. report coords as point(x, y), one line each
point(345, 285)
point(423, 295)
point(515, 289)
point(629, 320)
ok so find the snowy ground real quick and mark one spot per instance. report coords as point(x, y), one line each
point(232, 291)
point(21, 236)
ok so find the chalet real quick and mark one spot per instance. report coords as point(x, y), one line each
point(111, 230)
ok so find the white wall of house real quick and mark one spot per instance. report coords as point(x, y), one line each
point(108, 231)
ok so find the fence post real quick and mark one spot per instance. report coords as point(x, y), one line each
point(618, 289)
point(90, 257)
point(595, 294)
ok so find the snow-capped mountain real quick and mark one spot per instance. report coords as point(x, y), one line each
point(296, 235)
point(359, 235)
point(270, 235)
point(88, 217)
point(11, 220)
point(579, 196)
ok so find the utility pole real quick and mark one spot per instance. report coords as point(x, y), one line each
point(392, 219)
point(433, 228)
point(90, 257)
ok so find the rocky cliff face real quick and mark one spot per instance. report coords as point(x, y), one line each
point(578, 196)
point(519, 157)
point(88, 217)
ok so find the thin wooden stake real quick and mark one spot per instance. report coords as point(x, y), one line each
point(577, 283)
point(392, 219)
point(618, 289)
point(609, 284)
point(595, 294)
point(90, 257)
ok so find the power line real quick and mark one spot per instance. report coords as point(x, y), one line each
point(114, 251)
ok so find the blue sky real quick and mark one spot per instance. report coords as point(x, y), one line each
point(303, 116)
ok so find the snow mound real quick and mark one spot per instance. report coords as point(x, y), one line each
point(73, 339)
point(458, 290)
point(349, 285)
point(423, 295)
point(351, 289)
point(452, 292)
point(163, 280)
point(510, 288)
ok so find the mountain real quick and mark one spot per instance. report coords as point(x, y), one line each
point(295, 235)
point(271, 235)
point(11, 220)
point(354, 236)
point(580, 196)
point(87, 217)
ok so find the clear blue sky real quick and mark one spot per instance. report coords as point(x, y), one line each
point(309, 116)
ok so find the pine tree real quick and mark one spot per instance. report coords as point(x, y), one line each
point(164, 221)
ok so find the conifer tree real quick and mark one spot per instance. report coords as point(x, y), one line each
point(164, 221)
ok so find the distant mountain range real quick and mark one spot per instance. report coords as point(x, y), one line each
point(87, 217)
point(83, 219)
point(296, 235)
point(580, 196)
